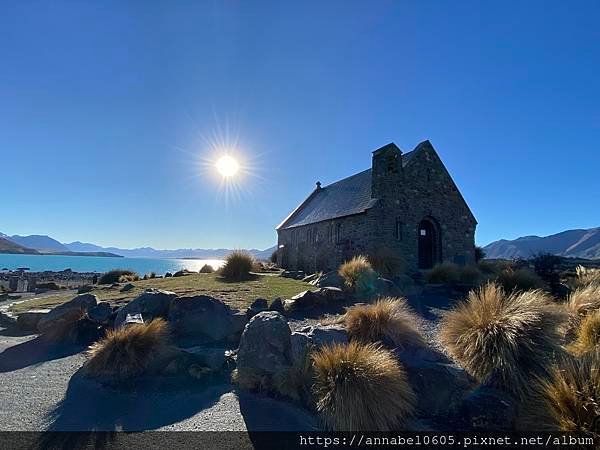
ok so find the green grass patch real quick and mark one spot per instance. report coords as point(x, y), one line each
point(238, 295)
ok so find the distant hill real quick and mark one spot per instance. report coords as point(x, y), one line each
point(570, 243)
point(149, 252)
point(7, 246)
point(38, 242)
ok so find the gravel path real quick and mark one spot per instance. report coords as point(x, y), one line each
point(41, 389)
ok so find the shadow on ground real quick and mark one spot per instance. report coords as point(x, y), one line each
point(35, 351)
point(146, 405)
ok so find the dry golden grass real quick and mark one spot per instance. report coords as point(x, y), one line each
point(129, 351)
point(237, 266)
point(571, 395)
point(584, 299)
point(361, 387)
point(586, 276)
point(519, 280)
point(510, 336)
point(358, 274)
point(588, 334)
point(250, 379)
point(389, 320)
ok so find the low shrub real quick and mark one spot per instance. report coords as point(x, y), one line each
point(237, 266)
point(118, 276)
point(251, 380)
point(128, 351)
point(273, 257)
point(386, 262)
point(547, 267)
point(168, 275)
point(588, 334)
point(571, 395)
point(479, 253)
point(50, 286)
point(450, 273)
point(445, 273)
point(522, 279)
point(507, 336)
point(206, 268)
point(358, 274)
point(152, 275)
point(361, 387)
point(389, 321)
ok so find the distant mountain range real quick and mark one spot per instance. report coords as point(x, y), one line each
point(570, 243)
point(46, 245)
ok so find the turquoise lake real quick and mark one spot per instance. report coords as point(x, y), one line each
point(56, 263)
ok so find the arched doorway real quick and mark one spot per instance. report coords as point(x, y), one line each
point(429, 243)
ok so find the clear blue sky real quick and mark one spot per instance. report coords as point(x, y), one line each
point(108, 111)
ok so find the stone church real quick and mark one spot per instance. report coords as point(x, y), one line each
point(406, 203)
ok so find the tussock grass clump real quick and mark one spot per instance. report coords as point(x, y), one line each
point(571, 396)
point(129, 351)
point(361, 387)
point(588, 334)
point(522, 279)
point(386, 262)
point(251, 379)
point(358, 274)
point(584, 300)
point(389, 321)
point(207, 268)
point(586, 276)
point(509, 336)
point(118, 276)
point(238, 266)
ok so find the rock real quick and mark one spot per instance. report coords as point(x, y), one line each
point(168, 275)
point(299, 349)
point(295, 274)
point(265, 344)
point(258, 305)
point(213, 358)
point(115, 285)
point(28, 321)
point(205, 316)
point(84, 331)
point(309, 278)
point(386, 288)
point(127, 287)
point(312, 299)
point(7, 320)
point(181, 273)
point(277, 305)
point(487, 408)
point(320, 335)
point(329, 279)
point(100, 313)
point(66, 313)
point(85, 289)
point(150, 304)
point(440, 386)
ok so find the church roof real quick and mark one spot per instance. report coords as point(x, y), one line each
point(346, 197)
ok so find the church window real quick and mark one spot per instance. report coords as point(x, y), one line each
point(338, 233)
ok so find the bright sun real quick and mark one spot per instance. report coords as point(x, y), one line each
point(227, 166)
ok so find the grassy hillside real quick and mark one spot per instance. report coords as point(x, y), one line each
point(7, 246)
point(238, 295)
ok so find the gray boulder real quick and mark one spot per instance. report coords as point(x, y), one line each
point(329, 279)
point(213, 358)
point(487, 408)
point(277, 305)
point(127, 287)
point(258, 305)
point(204, 316)
point(265, 344)
point(100, 313)
point(69, 312)
point(151, 304)
point(314, 299)
point(320, 335)
point(28, 321)
point(299, 349)
point(7, 320)
point(440, 385)
point(295, 274)
point(386, 288)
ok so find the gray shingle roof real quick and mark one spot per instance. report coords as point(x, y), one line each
point(346, 197)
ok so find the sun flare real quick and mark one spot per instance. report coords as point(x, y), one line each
point(227, 166)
